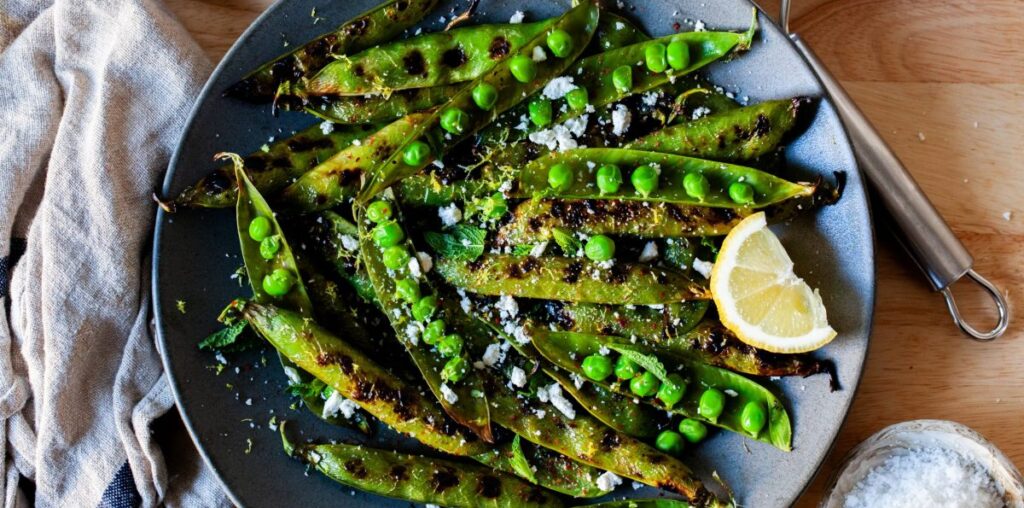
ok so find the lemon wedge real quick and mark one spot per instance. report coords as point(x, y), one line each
point(759, 297)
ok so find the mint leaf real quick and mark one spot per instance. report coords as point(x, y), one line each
point(522, 250)
point(314, 389)
point(519, 463)
point(569, 244)
point(462, 242)
point(223, 338)
point(650, 363)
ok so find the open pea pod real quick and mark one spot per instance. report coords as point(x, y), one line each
point(613, 32)
point(333, 181)
point(410, 303)
point(742, 134)
point(571, 279)
point(375, 26)
point(544, 467)
point(612, 409)
point(431, 59)
point(417, 478)
point(398, 404)
point(579, 23)
point(644, 322)
point(567, 350)
point(766, 188)
point(641, 503)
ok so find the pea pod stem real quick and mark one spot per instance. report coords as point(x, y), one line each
point(418, 479)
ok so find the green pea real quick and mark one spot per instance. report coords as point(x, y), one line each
point(455, 369)
point(753, 417)
point(495, 206)
point(693, 430)
point(622, 78)
point(279, 282)
point(387, 234)
point(644, 180)
point(523, 68)
point(454, 120)
point(434, 332)
point(541, 112)
point(577, 99)
point(644, 385)
point(408, 290)
point(696, 185)
point(560, 43)
point(597, 367)
point(678, 54)
point(450, 345)
point(269, 246)
point(672, 391)
point(395, 257)
point(670, 442)
point(654, 54)
point(416, 154)
point(741, 193)
point(711, 405)
point(485, 95)
point(424, 308)
point(599, 248)
point(626, 368)
point(379, 211)
point(609, 179)
point(260, 228)
point(560, 177)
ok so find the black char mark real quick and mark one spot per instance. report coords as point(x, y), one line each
point(499, 48)
point(355, 468)
point(443, 479)
point(453, 58)
point(357, 27)
point(414, 63)
point(489, 487)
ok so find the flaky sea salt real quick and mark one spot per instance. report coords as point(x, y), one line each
point(926, 477)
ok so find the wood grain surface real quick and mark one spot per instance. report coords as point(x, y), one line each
point(943, 81)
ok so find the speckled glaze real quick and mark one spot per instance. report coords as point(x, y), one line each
point(195, 252)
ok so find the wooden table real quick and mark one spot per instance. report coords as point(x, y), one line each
point(943, 81)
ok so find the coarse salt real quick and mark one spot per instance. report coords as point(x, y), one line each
point(517, 17)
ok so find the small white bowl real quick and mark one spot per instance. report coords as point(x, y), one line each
point(899, 438)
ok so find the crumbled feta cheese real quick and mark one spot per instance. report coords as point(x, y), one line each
point(426, 262)
point(349, 243)
point(651, 98)
point(412, 332)
point(507, 307)
point(538, 250)
point(414, 268)
point(493, 355)
point(248, 402)
point(450, 215)
point(620, 120)
point(920, 136)
point(604, 351)
point(438, 163)
point(357, 142)
point(730, 392)
point(292, 375)
point(539, 55)
point(560, 402)
point(327, 127)
point(577, 380)
point(517, 17)
point(558, 87)
point(608, 481)
point(703, 267)
point(337, 403)
point(518, 377)
point(220, 358)
point(619, 25)
point(540, 413)
point(700, 112)
point(698, 26)
point(561, 136)
point(518, 332)
point(650, 252)
point(449, 395)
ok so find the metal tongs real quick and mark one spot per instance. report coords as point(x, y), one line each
point(917, 224)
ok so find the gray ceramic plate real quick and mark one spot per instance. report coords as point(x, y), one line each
point(195, 252)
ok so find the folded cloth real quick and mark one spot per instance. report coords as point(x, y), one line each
point(93, 97)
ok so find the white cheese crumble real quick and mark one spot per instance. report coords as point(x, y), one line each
point(337, 403)
point(426, 262)
point(558, 87)
point(619, 25)
point(700, 112)
point(507, 307)
point(539, 55)
point(493, 355)
point(651, 98)
point(327, 127)
point(620, 120)
point(412, 332)
point(518, 377)
point(703, 267)
point(557, 399)
point(449, 395)
point(732, 393)
point(517, 17)
point(414, 268)
point(293, 375)
point(698, 26)
point(562, 136)
point(650, 252)
point(538, 250)
point(349, 243)
point(450, 215)
point(577, 380)
point(608, 481)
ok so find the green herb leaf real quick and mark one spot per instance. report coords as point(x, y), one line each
point(519, 462)
point(314, 388)
point(650, 363)
point(223, 338)
point(568, 242)
point(463, 242)
point(522, 250)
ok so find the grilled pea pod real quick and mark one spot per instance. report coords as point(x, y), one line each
point(612, 409)
point(642, 322)
point(400, 405)
point(737, 135)
point(579, 22)
point(548, 469)
point(567, 350)
point(417, 478)
point(432, 59)
point(641, 503)
point(378, 25)
point(568, 279)
point(331, 182)
point(719, 178)
point(461, 395)
point(613, 32)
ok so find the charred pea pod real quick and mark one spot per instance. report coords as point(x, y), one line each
point(376, 26)
point(402, 406)
point(379, 108)
point(671, 173)
point(425, 190)
point(643, 322)
point(738, 135)
point(336, 179)
point(432, 59)
point(273, 169)
point(612, 409)
point(417, 478)
point(548, 469)
point(568, 279)
point(567, 349)
point(257, 227)
point(413, 307)
point(642, 503)
point(580, 22)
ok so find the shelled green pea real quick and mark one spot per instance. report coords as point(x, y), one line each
point(669, 441)
point(416, 154)
point(644, 385)
point(622, 78)
point(395, 257)
point(260, 228)
point(597, 367)
point(644, 180)
point(387, 234)
point(693, 430)
point(434, 332)
point(455, 369)
point(626, 368)
point(560, 177)
point(609, 179)
point(485, 96)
